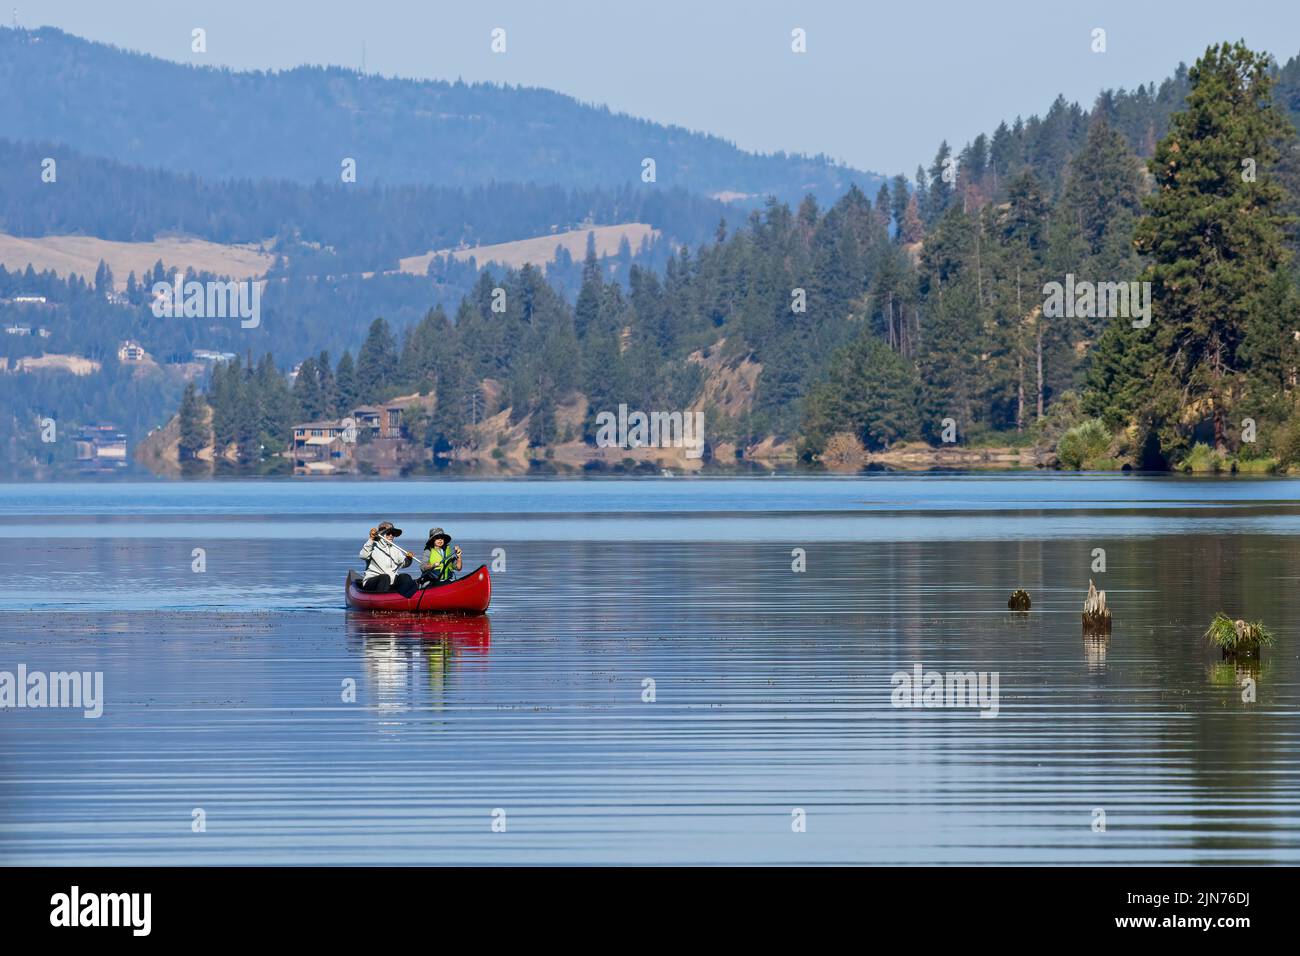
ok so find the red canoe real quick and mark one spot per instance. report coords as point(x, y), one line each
point(469, 594)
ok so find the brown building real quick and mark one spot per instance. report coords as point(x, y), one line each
point(381, 421)
point(101, 448)
point(331, 446)
point(322, 447)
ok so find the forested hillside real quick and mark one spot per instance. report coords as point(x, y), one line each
point(914, 311)
point(879, 319)
point(326, 228)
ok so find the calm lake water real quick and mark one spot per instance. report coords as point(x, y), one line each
point(771, 736)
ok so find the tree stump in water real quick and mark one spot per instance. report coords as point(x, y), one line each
point(1238, 638)
point(1096, 615)
point(1019, 600)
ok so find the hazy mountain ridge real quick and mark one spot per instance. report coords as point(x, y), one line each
point(303, 122)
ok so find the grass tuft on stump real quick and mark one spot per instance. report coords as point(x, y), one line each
point(1237, 636)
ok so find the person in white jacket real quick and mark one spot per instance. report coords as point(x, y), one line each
point(384, 559)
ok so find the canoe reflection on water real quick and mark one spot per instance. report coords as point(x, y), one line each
point(396, 647)
point(464, 630)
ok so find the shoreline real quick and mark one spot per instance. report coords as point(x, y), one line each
point(753, 470)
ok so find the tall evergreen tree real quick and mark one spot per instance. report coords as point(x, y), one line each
point(586, 311)
point(942, 186)
point(329, 395)
point(307, 392)
point(376, 362)
point(899, 199)
point(226, 397)
point(870, 392)
point(195, 432)
point(1215, 238)
point(1103, 194)
point(346, 382)
point(275, 406)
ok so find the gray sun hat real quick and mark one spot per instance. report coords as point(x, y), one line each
point(436, 533)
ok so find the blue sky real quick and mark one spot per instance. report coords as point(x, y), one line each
point(880, 85)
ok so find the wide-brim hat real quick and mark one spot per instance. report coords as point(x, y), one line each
point(436, 533)
point(386, 527)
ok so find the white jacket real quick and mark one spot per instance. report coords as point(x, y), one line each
point(385, 559)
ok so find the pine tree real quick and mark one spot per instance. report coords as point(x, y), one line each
point(586, 311)
point(882, 212)
point(899, 199)
point(1118, 376)
point(195, 432)
point(329, 395)
point(922, 195)
point(941, 187)
point(346, 382)
point(458, 404)
point(248, 416)
point(1270, 352)
point(1002, 155)
point(417, 370)
point(103, 278)
point(1104, 182)
point(951, 344)
point(226, 396)
point(1022, 234)
point(275, 406)
point(1215, 238)
point(870, 391)
point(912, 229)
point(307, 392)
point(376, 363)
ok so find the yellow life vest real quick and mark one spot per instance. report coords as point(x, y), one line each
point(442, 563)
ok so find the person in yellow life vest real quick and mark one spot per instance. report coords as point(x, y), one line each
point(443, 560)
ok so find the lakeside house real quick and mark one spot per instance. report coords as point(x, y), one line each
point(130, 353)
point(326, 447)
point(382, 421)
point(101, 448)
point(208, 355)
point(322, 447)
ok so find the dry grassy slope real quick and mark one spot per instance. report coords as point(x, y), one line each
point(82, 254)
point(729, 380)
point(159, 451)
point(66, 255)
point(729, 389)
point(540, 250)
